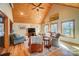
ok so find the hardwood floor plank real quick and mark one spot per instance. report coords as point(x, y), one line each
point(18, 50)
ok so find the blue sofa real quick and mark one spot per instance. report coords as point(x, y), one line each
point(16, 39)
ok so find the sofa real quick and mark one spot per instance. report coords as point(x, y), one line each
point(36, 44)
point(16, 39)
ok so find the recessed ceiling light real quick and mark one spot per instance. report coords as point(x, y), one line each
point(21, 13)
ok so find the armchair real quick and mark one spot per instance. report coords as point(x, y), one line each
point(55, 41)
point(47, 40)
point(36, 44)
point(16, 39)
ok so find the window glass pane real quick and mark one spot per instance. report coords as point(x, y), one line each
point(1, 29)
point(67, 28)
point(46, 29)
point(0, 19)
point(53, 27)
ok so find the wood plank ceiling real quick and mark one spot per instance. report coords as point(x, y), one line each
point(75, 5)
point(23, 13)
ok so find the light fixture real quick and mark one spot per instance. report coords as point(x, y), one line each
point(37, 7)
point(21, 13)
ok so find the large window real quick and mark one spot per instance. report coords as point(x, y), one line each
point(45, 28)
point(54, 27)
point(68, 28)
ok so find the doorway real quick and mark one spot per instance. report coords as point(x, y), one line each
point(4, 40)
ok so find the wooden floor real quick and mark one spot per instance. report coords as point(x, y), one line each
point(21, 50)
point(56, 53)
point(17, 50)
point(73, 47)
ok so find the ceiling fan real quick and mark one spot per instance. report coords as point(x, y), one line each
point(37, 6)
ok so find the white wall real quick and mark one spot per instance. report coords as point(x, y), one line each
point(6, 9)
point(16, 28)
point(65, 13)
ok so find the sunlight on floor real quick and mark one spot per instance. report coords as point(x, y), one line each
point(75, 47)
point(61, 45)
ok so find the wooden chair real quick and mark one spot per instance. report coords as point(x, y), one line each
point(47, 40)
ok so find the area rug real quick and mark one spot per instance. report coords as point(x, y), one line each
point(45, 52)
point(53, 51)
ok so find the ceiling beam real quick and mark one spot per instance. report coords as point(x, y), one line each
point(11, 5)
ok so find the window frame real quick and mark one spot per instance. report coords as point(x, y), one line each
point(54, 23)
point(73, 28)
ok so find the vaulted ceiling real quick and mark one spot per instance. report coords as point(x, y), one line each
point(23, 12)
point(76, 5)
